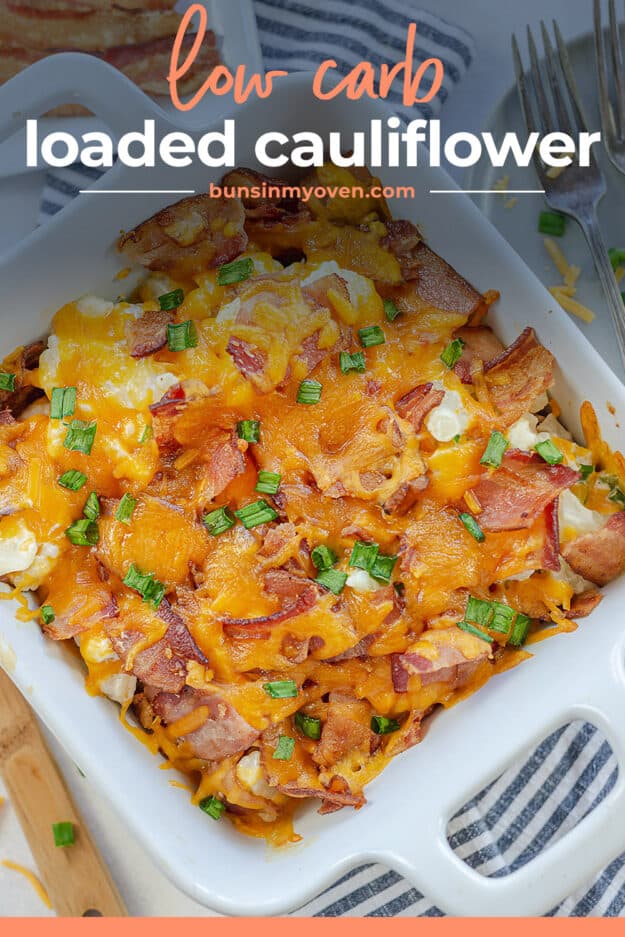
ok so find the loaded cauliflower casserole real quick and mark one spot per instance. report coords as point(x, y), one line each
point(294, 494)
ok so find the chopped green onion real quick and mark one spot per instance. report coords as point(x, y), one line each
point(147, 434)
point(478, 611)
point(249, 430)
point(181, 335)
point(219, 521)
point(453, 352)
point(457, 438)
point(92, 507)
point(547, 451)
point(7, 381)
point(309, 392)
point(382, 726)
point(268, 482)
point(623, 297)
point(62, 402)
point(390, 310)
point(471, 629)
point(502, 619)
point(63, 834)
point(353, 362)
point(83, 533)
point(213, 806)
point(617, 496)
point(364, 555)
point(323, 557)
point(47, 614)
point(309, 726)
point(149, 588)
point(382, 569)
point(472, 526)
point(370, 336)
point(257, 513)
point(171, 300)
point(496, 616)
point(235, 272)
point(550, 222)
point(617, 256)
point(72, 480)
point(586, 471)
point(332, 579)
point(125, 508)
point(493, 454)
point(281, 689)
point(80, 436)
point(284, 749)
point(520, 630)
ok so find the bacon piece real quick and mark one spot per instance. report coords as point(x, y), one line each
point(455, 664)
point(277, 538)
point(249, 360)
point(358, 650)
point(345, 729)
point(20, 364)
point(148, 333)
point(164, 414)
point(316, 293)
point(583, 604)
point(189, 237)
point(332, 799)
point(417, 403)
point(243, 628)
point(435, 281)
point(405, 497)
point(599, 556)
point(162, 665)
point(285, 584)
point(85, 611)
point(225, 462)
point(480, 342)
point(551, 548)
point(402, 239)
point(517, 376)
point(286, 209)
point(521, 489)
point(223, 733)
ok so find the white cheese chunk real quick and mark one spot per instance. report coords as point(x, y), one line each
point(553, 426)
point(94, 306)
point(358, 287)
point(361, 581)
point(573, 515)
point(229, 311)
point(18, 550)
point(448, 419)
point(120, 687)
point(96, 648)
point(250, 774)
point(524, 433)
point(568, 575)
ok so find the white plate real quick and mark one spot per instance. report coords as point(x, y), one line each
point(519, 225)
point(403, 825)
point(234, 23)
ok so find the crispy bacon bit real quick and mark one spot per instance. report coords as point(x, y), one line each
point(480, 343)
point(188, 237)
point(517, 376)
point(224, 462)
point(405, 497)
point(599, 556)
point(223, 733)
point(332, 799)
point(17, 400)
point(358, 650)
point(452, 666)
point(582, 605)
point(148, 333)
point(402, 239)
point(434, 280)
point(286, 584)
point(243, 628)
point(316, 293)
point(162, 665)
point(346, 729)
point(417, 403)
point(277, 538)
point(81, 616)
point(249, 360)
point(286, 210)
point(520, 490)
point(551, 548)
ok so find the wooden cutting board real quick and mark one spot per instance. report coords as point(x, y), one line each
point(75, 877)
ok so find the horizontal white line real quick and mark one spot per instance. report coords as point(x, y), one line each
point(137, 191)
point(487, 191)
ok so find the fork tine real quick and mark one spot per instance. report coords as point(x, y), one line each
point(539, 87)
point(617, 64)
point(569, 77)
point(521, 81)
point(605, 108)
point(563, 115)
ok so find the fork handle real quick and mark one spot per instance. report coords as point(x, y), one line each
point(603, 266)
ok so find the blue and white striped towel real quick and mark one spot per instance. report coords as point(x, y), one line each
point(536, 802)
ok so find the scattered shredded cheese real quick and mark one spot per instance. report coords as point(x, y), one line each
point(564, 292)
point(30, 877)
point(572, 305)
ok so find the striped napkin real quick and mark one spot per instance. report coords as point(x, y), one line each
point(536, 802)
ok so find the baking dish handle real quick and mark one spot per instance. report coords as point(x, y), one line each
point(75, 78)
point(556, 872)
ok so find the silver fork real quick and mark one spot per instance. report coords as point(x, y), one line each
point(554, 104)
point(612, 118)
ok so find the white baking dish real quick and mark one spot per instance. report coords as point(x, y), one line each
point(403, 825)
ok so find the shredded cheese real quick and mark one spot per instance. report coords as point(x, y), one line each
point(572, 305)
point(30, 877)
